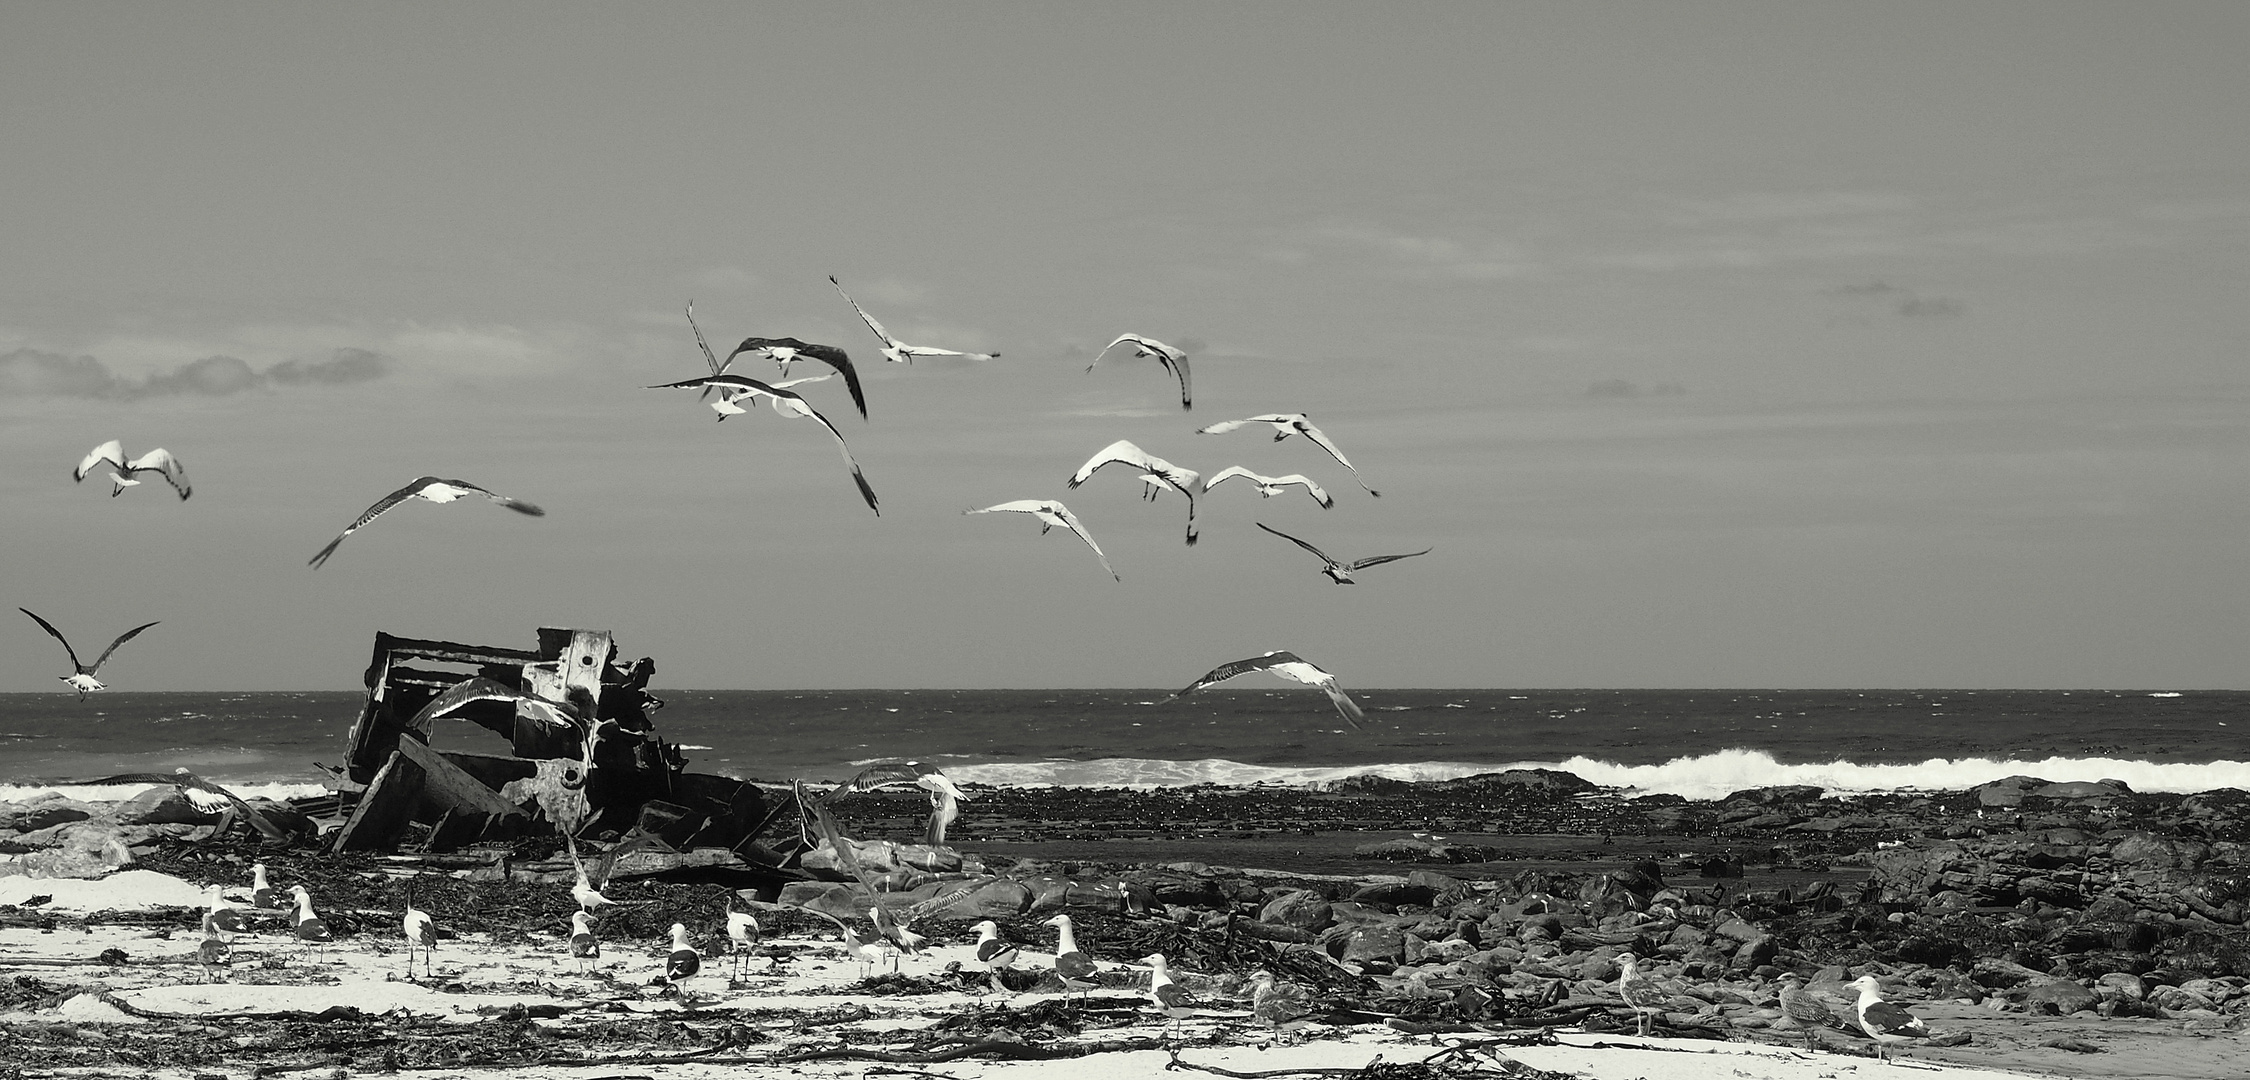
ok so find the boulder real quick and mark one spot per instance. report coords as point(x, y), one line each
point(828, 897)
point(44, 811)
point(1299, 908)
point(999, 898)
point(1394, 893)
point(2059, 997)
point(2150, 851)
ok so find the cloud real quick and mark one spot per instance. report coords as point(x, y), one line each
point(1904, 302)
point(32, 373)
point(1624, 388)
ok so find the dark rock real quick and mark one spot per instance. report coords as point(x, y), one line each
point(1780, 793)
point(1393, 894)
point(2008, 791)
point(1297, 908)
point(2058, 997)
point(43, 812)
point(2082, 789)
point(2152, 851)
point(1445, 888)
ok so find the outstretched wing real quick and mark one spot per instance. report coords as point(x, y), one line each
point(1343, 701)
point(865, 317)
point(826, 354)
point(186, 779)
point(161, 460)
point(517, 505)
point(121, 639)
point(1311, 488)
point(111, 451)
point(1321, 440)
point(482, 689)
point(858, 477)
point(373, 512)
point(1224, 426)
point(1322, 555)
point(50, 628)
point(1070, 521)
point(1122, 451)
point(1229, 473)
point(1224, 672)
point(1378, 560)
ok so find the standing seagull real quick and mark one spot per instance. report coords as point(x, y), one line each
point(1883, 1021)
point(996, 953)
point(1071, 966)
point(1639, 991)
point(222, 917)
point(897, 351)
point(82, 677)
point(262, 894)
point(1049, 514)
point(742, 937)
point(683, 962)
point(787, 403)
point(1123, 452)
point(584, 946)
point(1285, 425)
point(1809, 1012)
point(1288, 666)
point(1173, 360)
point(214, 952)
point(1270, 486)
point(1338, 571)
point(1170, 997)
point(429, 489)
point(311, 928)
point(158, 460)
point(421, 932)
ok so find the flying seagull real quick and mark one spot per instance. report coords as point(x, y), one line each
point(82, 678)
point(945, 797)
point(783, 351)
point(729, 403)
point(1049, 514)
point(1285, 425)
point(1341, 572)
point(158, 461)
point(429, 489)
point(1288, 666)
point(1173, 360)
point(1270, 486)
point(787, 403)
point(788, 350)
point(897, 351)
point(1123, 451)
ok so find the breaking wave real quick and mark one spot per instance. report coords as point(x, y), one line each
point(1704, 776)
point(120, 792)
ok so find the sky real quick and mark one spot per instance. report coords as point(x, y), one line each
point(1705, 344)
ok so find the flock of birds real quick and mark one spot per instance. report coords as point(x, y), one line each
point(730, 393)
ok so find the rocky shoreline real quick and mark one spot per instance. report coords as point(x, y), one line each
point(1506, 904)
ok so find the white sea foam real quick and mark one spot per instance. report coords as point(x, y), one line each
point(1703, 776)
point(120, 792)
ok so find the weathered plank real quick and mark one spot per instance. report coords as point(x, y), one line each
point(449, 786)
point(384, 808)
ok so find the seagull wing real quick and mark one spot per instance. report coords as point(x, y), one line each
point(458, 695)
point(725, 383)
point(858, 477)
point(882, 776)
point(1224, 672)
point(784, 384)
point(717, 368)
point(932, 350)
point(1122, 450)
point(1891, 1019)
point(1311, 488)
point(1321, 440)
point(1322, 555)
point(1224, 426)
point(826, 354)
point(111, 451)
point(161, 460)
point(50, 628)
point(373, 512)
point(1121, 339)
point(1229, 473)
point(1070, 521)
point(121, 639)
point(1343, 701)
point(1177, 364)
point(1378, 560)
point(865, 317)
point(517, 505)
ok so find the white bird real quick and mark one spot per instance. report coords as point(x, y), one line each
point(683, 962)
point(158, 461)
point(787, 403)
point(1071, 966)
point(1883, 1021)
point(584, 946)
point(1285, 425)
point(1289, 666)
point(783, 351)
point(1169, 997)
point(996, 953)
point(945, 796)
point(1270, 486)
point(588, 897)
point(1049, 514)
point(222, 918)
point(729, 403)
point(742, 935)
point(902, 940)
point(421, 932)
point(1123, 452)
point(262, 893)
point(897, 351)
point(82, 677)
point(1337, 570)
point(429, 489)
point(311, 928)
point(1639, 991)
point(1173, 360)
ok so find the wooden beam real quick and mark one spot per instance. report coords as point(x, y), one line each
point(449, 786)
point(384, 808)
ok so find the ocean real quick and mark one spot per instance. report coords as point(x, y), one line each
point(1700, 744)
